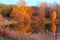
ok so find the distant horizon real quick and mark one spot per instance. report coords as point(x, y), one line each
point(29, 2)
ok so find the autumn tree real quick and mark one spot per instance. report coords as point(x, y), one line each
point(22, 14)
point(3, 9)
point(54, 15)
point(42, 10)
point(53, 27)
point(58, 11)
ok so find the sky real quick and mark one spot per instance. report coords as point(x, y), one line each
point(29, 2)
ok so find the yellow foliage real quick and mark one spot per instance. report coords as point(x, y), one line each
point(0, 9)
point(15, 8)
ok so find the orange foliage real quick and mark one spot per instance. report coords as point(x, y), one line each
point(54, 15)
point(22, 14)
point(54, 27)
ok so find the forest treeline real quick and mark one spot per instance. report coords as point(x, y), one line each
point(30, 15)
